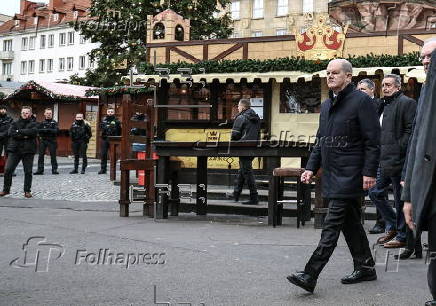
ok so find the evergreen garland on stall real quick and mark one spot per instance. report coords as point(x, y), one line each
point(118, 90)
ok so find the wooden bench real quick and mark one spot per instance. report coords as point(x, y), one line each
point(303, 195)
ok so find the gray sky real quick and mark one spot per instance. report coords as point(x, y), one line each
point(10, 7)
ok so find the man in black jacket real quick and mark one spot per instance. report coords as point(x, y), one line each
point(397, 113)
point(348, 151)
point(48, 131)
point(368, 86)
point(21, 147)
point(246, 127)
point(5, 123)
point(110, 126)
point(80, 133)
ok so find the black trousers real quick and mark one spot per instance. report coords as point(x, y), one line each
point(412, 242)
point(3, 146)
point(52, 147)
point(245, 174)
point(431, 274)
point(104, 151)
point(12, 163)
point(343, 215)
point(79, 150)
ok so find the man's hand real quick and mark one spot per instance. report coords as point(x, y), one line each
point(402, 184)
point(368, 182)
point(407, 209)
point(306, 176)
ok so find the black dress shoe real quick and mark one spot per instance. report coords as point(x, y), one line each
point(82, 172)
point(54, 172)
point(409, 254)
point(377, 229)
point(360, 276)
point(250, 202)
point(303, 280)
point(73, 172)
point(38, 173)
point(430, 303)
point(102, 172)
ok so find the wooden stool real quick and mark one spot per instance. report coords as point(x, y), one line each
point(303, 195)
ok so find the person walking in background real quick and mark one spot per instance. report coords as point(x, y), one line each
point(21, 147)
point(346, 172)
point(48, 131)
point(110, 126)
point(80, 133)
point(246, 127)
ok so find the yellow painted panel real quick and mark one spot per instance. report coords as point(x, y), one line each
point(211, 136)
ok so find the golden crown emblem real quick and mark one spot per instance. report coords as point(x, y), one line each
point(321, 40)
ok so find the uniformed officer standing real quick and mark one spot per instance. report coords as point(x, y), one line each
point(48, 131)
point(80, 133)
point(5, 123)
point(110, 126)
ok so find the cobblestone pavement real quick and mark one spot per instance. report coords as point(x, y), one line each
point(89, 187)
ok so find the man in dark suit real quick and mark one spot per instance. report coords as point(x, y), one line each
point(419, 192)
point(347, 170)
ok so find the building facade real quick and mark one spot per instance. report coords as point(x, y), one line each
point(39, 44)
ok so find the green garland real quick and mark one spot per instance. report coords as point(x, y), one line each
point(2, 95)
point(285, 64)
point(118, 90)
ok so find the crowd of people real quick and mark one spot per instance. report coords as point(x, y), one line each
point(21, 139)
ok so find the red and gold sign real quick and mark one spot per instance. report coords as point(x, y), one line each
point(321, 40)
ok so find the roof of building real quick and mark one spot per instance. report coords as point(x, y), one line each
point(29, 10)
point(10, 85)
point(55, 91)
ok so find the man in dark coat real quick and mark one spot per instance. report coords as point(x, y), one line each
point(48, 132)
point(397, 113)
point(419, 192)
point(80, 133)
point(21, 147)
point(246, 127)
point(5, 123)
point(110, 126)
point(348, 168)
point(368, 86)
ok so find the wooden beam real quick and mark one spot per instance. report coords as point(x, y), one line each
point(205, 52)
point(228, 51)
point(400, 44)
point(185, 54)
point(245, 51)
point(167, 55)
point(413, 39)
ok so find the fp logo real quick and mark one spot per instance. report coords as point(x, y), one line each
point(38, 253)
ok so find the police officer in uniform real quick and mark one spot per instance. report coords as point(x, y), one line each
point(80, 133)
point(47, 130)
point(5, 123)
point(110, 126)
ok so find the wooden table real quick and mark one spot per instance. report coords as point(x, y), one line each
point(272, 151)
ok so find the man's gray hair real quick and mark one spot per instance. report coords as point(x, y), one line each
point(346, 65)
point(368, 82)
point(430, 40)
point(396, 78)
point(245, 102)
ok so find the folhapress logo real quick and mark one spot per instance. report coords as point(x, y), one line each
point(38, 253)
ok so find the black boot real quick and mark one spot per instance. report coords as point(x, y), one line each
point(74, 171)
point(303, 280)
point(360, 275)
point(83, 171)
point(253, 200)
point(234, 196)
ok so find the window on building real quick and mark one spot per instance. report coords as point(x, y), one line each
point(61, 64)
point(307, 6)
point(31, 66)
point(256, 34)
point(90, 62)
point(82, 62)
point(35, 20)
point(32, 40)
point(7, 45)
point(24, 43)
point(17, 23)
point(55, 17)
point(71, 38)
point(42, 40)
point(301, 97)
point(257, 9)
point(62, 39)
point(70, 63)
point(51, 41)
point(282, 7)
point(235, 10)
point(82, 39)
point(42, 65)
point(281, 32)
point(159, 31)
point(7, 69)
point(23, 69)
point(50, 65)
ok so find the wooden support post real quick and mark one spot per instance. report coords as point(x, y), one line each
point(201, 185)
point(124, 194)
point(112, 161)
point(175, 193)
point(161, 196)
point(272, 162)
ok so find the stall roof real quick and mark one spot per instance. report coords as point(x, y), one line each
point(58, 91)
point(278, 76)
